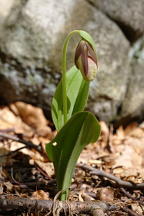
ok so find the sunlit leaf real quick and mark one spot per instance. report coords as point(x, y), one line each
point(77, 94)
point(64, 150)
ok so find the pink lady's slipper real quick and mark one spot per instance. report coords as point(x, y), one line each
point(76, 127)
point(86, 60)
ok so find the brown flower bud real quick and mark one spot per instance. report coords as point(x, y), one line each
point(85, 60)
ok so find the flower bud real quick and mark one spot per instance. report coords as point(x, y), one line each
point(85, 60)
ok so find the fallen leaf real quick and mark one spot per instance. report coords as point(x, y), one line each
point(105, 194)
point(40, 195)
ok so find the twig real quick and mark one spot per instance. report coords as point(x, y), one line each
point(128, 194)
point(130, 212)
point(27, 143)
point(45, 206)
point(8, 130)
point(141, 203)
point(12, 152)
point(95, 208)
point(122, 183)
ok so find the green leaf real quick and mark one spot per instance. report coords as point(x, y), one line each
point(77, 94)
point(88, 38)
point(64, 150)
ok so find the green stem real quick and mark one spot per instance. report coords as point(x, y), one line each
point(87, 37)
point(64, 91)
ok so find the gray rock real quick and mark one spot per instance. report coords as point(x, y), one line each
point(30, 51)
point(29, 48)
point(133, 105)
point(6, 6)
point(9, 7)
point(129, 14)
point(108, 90)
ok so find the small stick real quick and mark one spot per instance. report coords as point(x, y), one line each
point(12, 152)
point(130, 212)
point(46, 206)
point(122, 183)
point(27, 143)
point(141, 203)
point(128, 194)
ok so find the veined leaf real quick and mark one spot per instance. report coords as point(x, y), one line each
point(64, 150)
point(77, 94)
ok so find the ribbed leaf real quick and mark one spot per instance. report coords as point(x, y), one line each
point(64, 150)
point(77, 94)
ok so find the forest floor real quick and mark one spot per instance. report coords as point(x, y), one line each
point(109, 173)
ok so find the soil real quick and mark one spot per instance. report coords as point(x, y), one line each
point(27, 174)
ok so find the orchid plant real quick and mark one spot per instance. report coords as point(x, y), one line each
point(76, 128)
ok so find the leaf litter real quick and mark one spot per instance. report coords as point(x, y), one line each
point(27, 173)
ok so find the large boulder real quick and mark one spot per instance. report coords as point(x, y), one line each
point(133, 104)
point(129, 14)
point(30, 53)
point(5, 8)
point(108, 90)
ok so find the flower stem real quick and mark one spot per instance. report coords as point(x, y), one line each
point(64, 64)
